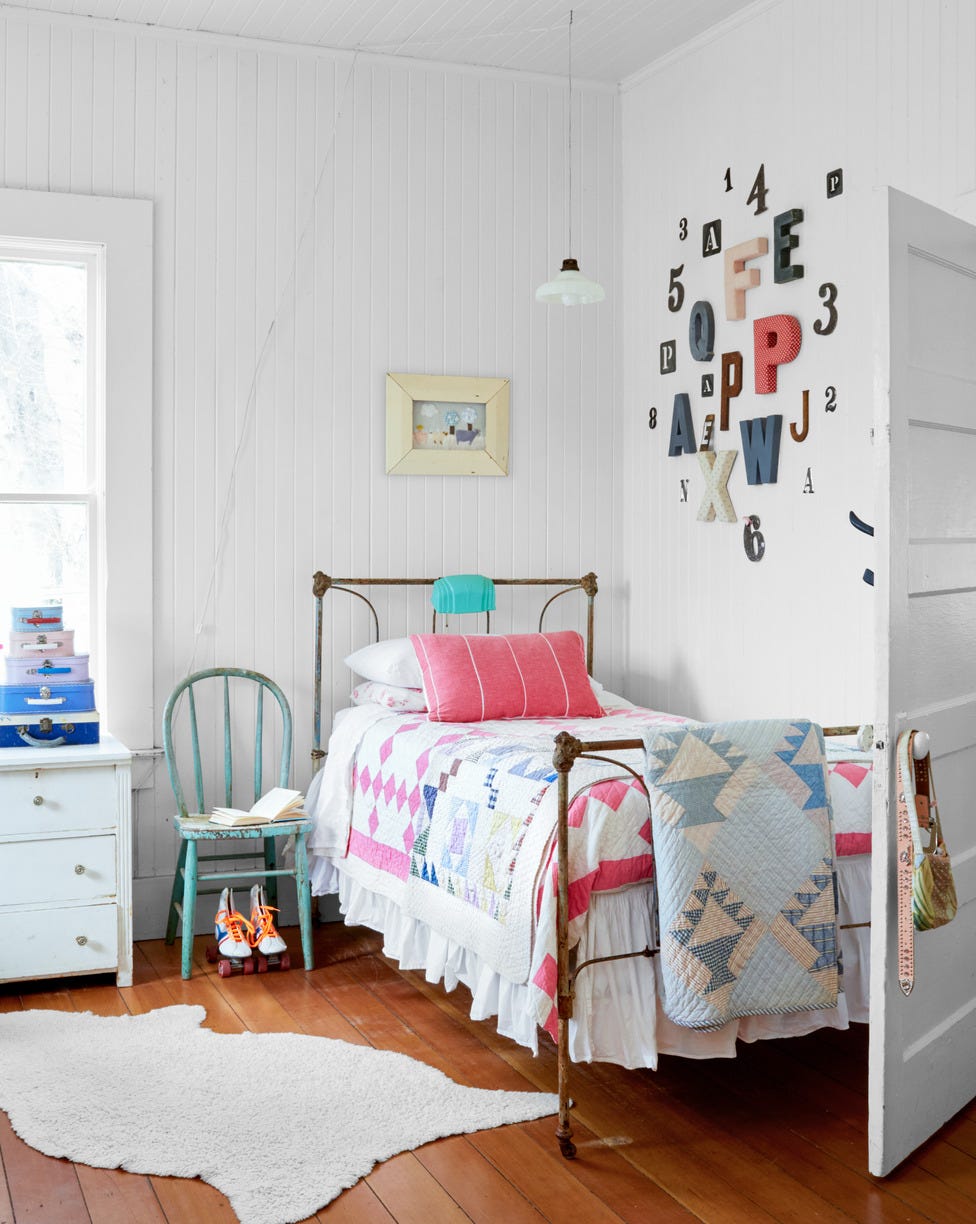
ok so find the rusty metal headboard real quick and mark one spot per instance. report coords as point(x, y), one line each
point(322, 583)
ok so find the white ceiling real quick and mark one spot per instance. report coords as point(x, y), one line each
point(612, 39)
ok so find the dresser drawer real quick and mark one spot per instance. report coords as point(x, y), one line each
point(46, 800)
point(56, 942)
point(60, 869)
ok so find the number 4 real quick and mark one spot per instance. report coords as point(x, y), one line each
point(759, 191)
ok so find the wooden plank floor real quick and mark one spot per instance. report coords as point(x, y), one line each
point(778, 1134)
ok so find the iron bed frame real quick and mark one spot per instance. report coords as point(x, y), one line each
point(568, 750)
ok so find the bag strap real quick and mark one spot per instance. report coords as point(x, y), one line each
point(907, 832)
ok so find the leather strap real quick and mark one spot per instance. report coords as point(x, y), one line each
point(905, 786)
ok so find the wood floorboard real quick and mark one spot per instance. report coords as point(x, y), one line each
point(775, 1135)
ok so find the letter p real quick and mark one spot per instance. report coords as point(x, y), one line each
point(776, 340)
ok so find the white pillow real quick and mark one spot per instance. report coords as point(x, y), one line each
point(393, 696)
point(393, 661)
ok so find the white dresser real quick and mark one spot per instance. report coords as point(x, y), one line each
point(66, 861)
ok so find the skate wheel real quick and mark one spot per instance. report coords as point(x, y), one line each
point(285, 961)
point(262, 964)
point(248, 965)
point(213, 956)
point(224, 967)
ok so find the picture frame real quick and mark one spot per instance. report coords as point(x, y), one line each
point(446, 425)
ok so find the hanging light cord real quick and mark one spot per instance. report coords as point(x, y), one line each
point(569, 74)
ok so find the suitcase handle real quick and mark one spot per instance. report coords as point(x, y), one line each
point(31, 742)
point(40, 620)
point(44, 701)
point(53, 671)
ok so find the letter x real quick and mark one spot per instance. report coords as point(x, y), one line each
point(716, 467)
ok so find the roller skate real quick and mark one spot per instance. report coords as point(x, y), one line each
point(269, 948)
point(233, 932)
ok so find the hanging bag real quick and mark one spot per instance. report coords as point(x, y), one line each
point(933, 889)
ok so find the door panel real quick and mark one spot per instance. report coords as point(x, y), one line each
point(923, 1047)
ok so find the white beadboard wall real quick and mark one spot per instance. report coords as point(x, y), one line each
point(321, 220)
point(885, 89)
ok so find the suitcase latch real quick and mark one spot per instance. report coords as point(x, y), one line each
point(46, 726)
point(45, 691)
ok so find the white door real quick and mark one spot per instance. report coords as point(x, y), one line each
point(923, 1046)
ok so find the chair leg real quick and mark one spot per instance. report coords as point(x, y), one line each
point(270, 863)
point(304, 900)
point(189, 906)
point(176, 895)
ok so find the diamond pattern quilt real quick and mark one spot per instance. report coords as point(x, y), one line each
point(743, 847)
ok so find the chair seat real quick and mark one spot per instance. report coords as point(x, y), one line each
point(200, 828)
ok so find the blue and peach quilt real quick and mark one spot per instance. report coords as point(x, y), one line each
point(744, 853)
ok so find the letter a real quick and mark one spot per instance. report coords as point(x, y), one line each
point(682, 428)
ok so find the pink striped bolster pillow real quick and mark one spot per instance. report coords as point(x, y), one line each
point(469, 678)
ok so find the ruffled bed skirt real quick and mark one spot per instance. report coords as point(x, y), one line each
point(617, 1014)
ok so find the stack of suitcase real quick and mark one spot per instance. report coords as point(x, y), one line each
point(48, 699)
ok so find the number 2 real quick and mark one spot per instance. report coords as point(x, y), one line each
point(831, 395)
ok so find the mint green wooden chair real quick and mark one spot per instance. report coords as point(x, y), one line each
point(248, 686)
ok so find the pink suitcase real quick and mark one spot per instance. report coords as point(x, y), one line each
point(43, 644)
point(41, 669)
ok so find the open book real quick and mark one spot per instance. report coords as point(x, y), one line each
point(277, 804)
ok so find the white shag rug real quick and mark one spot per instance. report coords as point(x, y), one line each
point(158, 1094)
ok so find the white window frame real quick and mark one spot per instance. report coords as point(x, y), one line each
point(118, 234)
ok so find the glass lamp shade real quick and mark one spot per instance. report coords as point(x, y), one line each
point(570, 287)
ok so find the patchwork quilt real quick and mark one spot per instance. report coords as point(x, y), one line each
point(455, 825)
point(744, 853)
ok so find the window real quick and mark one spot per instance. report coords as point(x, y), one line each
point(75, 433)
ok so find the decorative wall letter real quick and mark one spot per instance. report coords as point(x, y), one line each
point(716, 467)
point(738, 278)
point(684, 490)
point(707, 428)
point(823, 327)
point(777, 340)
point(783, 242)
point(676, 290)
point(835, 183)
point(708, 385)
point(808, 483)
point(760, 448)
point(731, 384)
point(711, 237)
point(753, 540)
point(701, 332)
point(798, 435)
point(682, 428)
point(669, 356)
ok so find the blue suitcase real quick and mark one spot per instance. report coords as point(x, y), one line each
point(50, 731)
point(45, 618)
point(38, 699)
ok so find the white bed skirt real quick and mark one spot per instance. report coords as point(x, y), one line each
point(617, 1015)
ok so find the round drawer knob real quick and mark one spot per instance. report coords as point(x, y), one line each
point(38, 800)
point(81, 940)
point(80, 869)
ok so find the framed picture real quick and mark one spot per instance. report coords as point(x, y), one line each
point(442, 425)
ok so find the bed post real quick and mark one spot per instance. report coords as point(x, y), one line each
point(588, 583)
point(320, 584)
point(568, 748)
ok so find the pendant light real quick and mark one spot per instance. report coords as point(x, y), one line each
point(569, 285)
